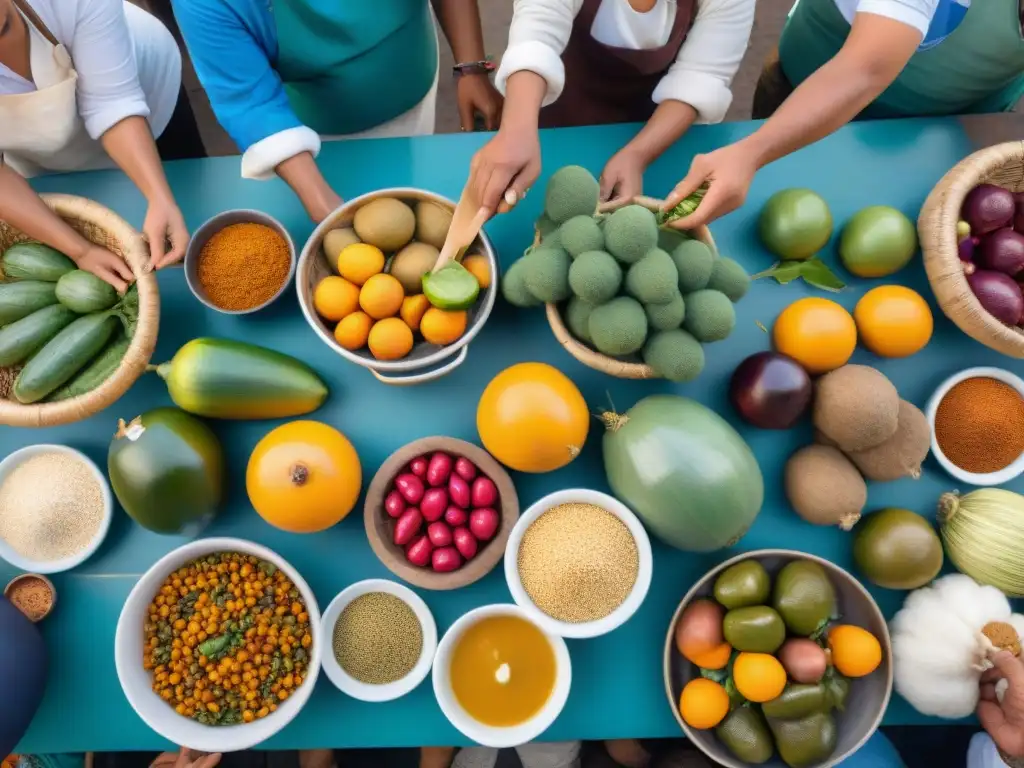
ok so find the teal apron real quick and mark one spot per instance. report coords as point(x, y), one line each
point(978, 68)
point(351, 65)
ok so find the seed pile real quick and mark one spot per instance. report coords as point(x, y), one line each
point(51, 507)
point(32, 596)
point(243, 266)
point(578, 562)
point(377, 638)
point(979, 425)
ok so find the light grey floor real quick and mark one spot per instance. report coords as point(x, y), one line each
point(496, 16)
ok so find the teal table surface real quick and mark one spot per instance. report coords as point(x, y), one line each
point(617, 688)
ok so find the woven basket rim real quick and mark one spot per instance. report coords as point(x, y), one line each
point(143, 343)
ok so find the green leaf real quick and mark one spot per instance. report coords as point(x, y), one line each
point(816, 272)
point(781, 271)
point(761, 325)
point(718, 675)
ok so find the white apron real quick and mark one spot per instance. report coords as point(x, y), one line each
point(42, 130)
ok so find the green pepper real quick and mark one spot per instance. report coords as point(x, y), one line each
point(214, 645)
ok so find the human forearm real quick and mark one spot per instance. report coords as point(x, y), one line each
point(130, 144)
point(303, 176)
point(21, 207)
point(668, 123)
point(524, 94)
point(460, 22)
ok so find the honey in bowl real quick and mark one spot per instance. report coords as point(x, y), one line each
point(503, 671)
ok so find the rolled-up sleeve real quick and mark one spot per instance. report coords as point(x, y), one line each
point(702, 73)
point(914, 13)
point(537, 37)
point(245, 91)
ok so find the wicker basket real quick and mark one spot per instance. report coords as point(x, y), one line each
point(1001, 164)
point(102, 226)
point(613, 366)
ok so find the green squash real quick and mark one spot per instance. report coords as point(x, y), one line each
point(684, 470)
point(167, 470)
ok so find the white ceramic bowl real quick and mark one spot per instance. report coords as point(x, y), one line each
point(487, 735)
point(56, 566)
point(136, 681)
point(1004, 475)
point(366, 691)
point(632, 602)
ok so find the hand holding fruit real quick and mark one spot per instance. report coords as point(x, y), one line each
point(1004, 720)
point(106, 266)
point(727, 171)
point(622, 178)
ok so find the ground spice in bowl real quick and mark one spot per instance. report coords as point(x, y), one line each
point(243, 266)
point(32, 594)
point(979, 425)
point(378, 638)
point(578, 562)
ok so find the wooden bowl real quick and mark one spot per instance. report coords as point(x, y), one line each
point(1002, 165)
point(379, 527)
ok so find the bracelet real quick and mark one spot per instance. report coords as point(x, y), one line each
point(483, 67)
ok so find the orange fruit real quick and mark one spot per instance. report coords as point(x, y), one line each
point(359, 262)
point(442, 327)
point(390, 339)
point(381, 296)
point(759, 677)
point(412, 310)
point(353, 331)
point(335, 297)
point(855, 651)
point(817, 333)
point(716, 658)
point(703, 703)
point(480, 268)
point(893, 321)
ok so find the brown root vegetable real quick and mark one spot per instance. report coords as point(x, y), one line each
point(699, 629)
point(857, 407)
point(903, 453)
point(804, 660)
point(824, 487)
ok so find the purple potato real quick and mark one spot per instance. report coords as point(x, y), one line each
point(987, 208)
point(1002, 251)
point(770, 390)
point(998, 294)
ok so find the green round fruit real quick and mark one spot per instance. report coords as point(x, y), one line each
point(742, 585)
point(795, 224)
point(877, 241)
point(897, 549)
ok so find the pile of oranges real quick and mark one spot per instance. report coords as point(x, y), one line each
point(371, 309)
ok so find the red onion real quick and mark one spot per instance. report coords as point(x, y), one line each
point(998, 294)
point(1003, 251)
point(987, 208)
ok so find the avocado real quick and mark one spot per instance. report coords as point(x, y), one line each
point(580, 234)
point(743, 584)
point(745, 734)
point(571, 191)
point(804, 742)
point(757, 629)
point(653, 279)
point(630, 233)
point(804, 597)
point(798, 701)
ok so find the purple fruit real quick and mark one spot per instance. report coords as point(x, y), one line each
point(770, 390)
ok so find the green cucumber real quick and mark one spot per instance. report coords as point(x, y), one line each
point(95, 373)
point(85, 293)
point(20, 339)
point(18, 300)
point(64, 356)
point(35, 261)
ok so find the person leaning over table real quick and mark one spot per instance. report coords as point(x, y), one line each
point(86, 84)
point(282, 76)
point(665, 63)
point(866, 58)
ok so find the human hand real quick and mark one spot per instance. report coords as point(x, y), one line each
point(106, 266)
point(1004, 721)
point(186, 758)
point(164, 224)
point(504, 169)
point(475, 94)
point(727, 171)
point(622, 178)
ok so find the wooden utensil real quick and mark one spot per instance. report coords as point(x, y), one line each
point(467, 221)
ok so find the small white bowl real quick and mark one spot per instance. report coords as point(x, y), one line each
point(629, 606)
point(366, 691)
point(488, 735)
point(56, 566)
point(137, 684)
point(1004, 475)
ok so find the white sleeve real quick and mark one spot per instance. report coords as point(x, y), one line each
point(538, 35)
point(108, 78)
point(702, 73)
point(915, 13)
point(982, 753)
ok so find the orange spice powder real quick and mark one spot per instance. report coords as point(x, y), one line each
point(979, 425)
point(243, 266)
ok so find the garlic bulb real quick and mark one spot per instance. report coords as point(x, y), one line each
point(983, 532)
point(939, 648)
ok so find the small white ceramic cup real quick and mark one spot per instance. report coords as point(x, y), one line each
point(488, 735)
point(366, 691)
point(7, 552)
point(629, 606)
point(1004, 475)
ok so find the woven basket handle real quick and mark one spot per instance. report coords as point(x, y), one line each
point(650, 203)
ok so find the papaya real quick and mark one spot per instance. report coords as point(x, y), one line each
point(225, 379)
point(166, 469)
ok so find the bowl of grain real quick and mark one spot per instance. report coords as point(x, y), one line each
point(55, 508)
point(379, 640)
point(240, 261)
point(579, 563)
point(33, 594)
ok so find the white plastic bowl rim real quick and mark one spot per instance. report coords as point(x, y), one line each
point(487, 735)
point(8, 553)
point(1004, 475)
point(623, 612)
point(367, 691)
point(136, 682)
